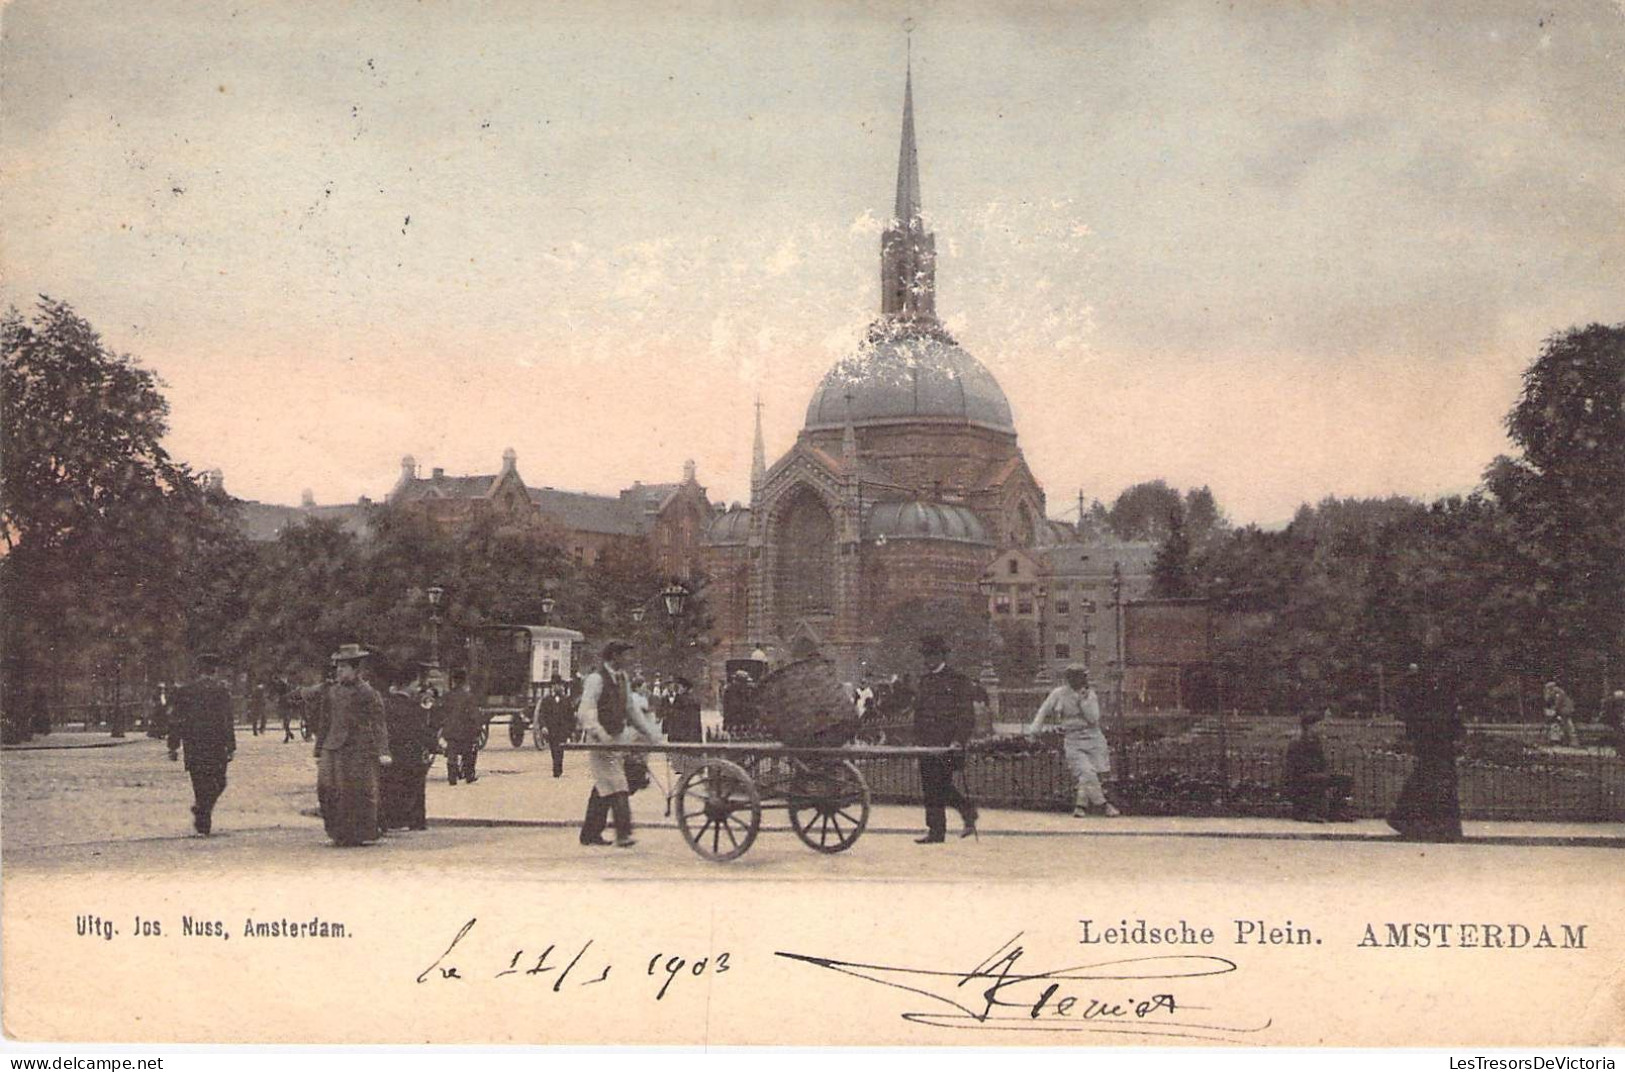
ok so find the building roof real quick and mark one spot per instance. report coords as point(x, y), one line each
point(730, 528)
point(607, 514)
point(1098, 556)
point(922, 520)
point(909, 371)
point(264, 522)
point(447, 487)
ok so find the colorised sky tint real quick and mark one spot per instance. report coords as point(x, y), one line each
point(1284, 250)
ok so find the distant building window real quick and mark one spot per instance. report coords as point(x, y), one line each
point(1063, 607)
point(1024, 605)
point(1001, 604)
point(1087, 606)
point(1063, 651)
point(1014, 568)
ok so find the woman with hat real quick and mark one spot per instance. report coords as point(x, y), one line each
point(1074, 704)
point(350, 745)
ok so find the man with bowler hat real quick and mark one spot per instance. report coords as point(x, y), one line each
point(351, 744)
point(460, 724)
point(201, 724)
point(944, 714)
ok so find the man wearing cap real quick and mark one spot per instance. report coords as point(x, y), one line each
point(944, 714)
point(1076, 707)
point(606, 714)
point(351, 743)
point(1316, 793)
point(201, 724)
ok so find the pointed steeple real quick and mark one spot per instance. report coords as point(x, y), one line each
point(758, 457)
point(908, 252)
point(908, 159)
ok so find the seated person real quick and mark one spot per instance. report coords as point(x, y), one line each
point(1316, 793)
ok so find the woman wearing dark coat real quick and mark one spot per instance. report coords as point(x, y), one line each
point(1429, 807)
point(411, 749)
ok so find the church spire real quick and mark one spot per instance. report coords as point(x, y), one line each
point(907, 208)
point(908, 252)
point(758, 457)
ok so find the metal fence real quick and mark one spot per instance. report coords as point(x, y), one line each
point(1197, 771)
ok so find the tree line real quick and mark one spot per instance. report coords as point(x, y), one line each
point(1492, 593)
point(121, 561)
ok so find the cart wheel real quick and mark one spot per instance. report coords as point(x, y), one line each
point(719, 809)
point(485, 736)
point(829, 805)
point(539, 739)
point(516, 732)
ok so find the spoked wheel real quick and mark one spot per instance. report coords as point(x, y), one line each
point(539, 739)
point(719, 809)
point(485, 735)
point(829, 805)
point(516, 731)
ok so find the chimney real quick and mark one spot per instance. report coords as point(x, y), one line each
point(409, 467)
point(689, 472)
point(510, 459)
point(364, 501)
point(307, 499)
point(438, 472)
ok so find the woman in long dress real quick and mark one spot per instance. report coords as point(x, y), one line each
point(1074, 704)
point(1429, 807)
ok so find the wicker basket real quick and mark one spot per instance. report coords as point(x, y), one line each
point(804, 703)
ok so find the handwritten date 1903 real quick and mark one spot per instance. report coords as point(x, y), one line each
point(574, 966)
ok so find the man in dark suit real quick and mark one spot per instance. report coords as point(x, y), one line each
point(683, 714)
point(201, 724)
point(944, 714)
point(460, 723)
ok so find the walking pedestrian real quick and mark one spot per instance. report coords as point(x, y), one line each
point(460, 723)
point(558, 719)
point(200, 723)
point(1429, 807)
point(944, 714)
point(607, 714)
point(352, 742)
point(1075, 706)
point(411, 748)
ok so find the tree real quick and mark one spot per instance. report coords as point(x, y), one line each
point(1204, 521)
point(1565, 492)
point(1171, 569)
point(107, 536)
point(1142, 511)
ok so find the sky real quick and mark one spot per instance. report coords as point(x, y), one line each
point(1283, 250)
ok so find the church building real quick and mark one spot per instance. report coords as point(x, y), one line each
point(905, 483)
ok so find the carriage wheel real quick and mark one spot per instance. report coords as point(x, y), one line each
point(829, 805)
point(540, 740)
point(516, 732)
point(485, 736)
point(719, 809)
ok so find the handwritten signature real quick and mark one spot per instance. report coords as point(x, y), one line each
point(994, 996)
point(541, 965)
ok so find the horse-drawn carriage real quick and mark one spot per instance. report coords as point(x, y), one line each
point(513, 666)
point(805, 769)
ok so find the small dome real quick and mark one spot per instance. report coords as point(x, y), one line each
point(729, 528)
point(923, 521)
point(909, 370)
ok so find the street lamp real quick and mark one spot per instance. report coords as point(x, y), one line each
point(986, 585)
point(637, 614)
point(436, 595)
point(1041, 592)
point(675, 597)
point(548, 603)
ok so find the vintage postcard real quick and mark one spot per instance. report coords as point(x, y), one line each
point(812, 524)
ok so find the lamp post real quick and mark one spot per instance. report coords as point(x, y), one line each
point(1043, 677)
point(675, 598)
point(986, 585)
point(436, 595)
point(548, 603)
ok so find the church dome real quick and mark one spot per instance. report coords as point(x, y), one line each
point(729, 528)
point(909, 371)
point(922, 520)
